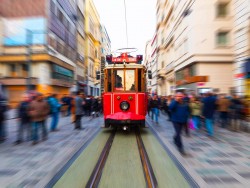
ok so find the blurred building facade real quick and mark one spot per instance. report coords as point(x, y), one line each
point(242, 47)
point(150, 63)
point(105, 50)
point(194, 43)
point(147, 63)
point(92, 48)
point(79, 76)
point(42, 32)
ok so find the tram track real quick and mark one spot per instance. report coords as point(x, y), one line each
point(97, 172)
point(149, 175)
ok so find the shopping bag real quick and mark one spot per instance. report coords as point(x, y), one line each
point(191, 124)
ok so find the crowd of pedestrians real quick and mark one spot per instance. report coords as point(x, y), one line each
point(193, 112)
point(34, 109)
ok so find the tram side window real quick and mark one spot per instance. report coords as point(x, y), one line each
point(139, 80)
point(109, 81)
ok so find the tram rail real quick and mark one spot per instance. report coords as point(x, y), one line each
point(97, 172)
point(149, 175)
point(147, 167)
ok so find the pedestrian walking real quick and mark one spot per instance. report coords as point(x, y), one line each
point(64, 107)
point(95, 107)
point(195, 108)
point(87, 105)
point(78, 110)
point(169, 100)
point(155, 108)
point(3, 109)
point(209, 106)
point(186, 100)
point(149, 106)
point(236, 112)
point(223, 105)
point(54, 110)
point(179, 116)
point(38, 112)
point(24, 123)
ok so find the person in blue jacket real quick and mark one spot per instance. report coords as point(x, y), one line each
point(54, 111)
point(179, 116)
point(209, 106)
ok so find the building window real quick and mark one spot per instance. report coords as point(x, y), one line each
point(162, 40)
point(162, 64)
point(222, 9)
point(222, 38)
point(60, 16)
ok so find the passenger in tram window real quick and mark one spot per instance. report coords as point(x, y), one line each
point(118, 82)
point(132, 87)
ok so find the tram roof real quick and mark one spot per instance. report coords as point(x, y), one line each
point(119, 66)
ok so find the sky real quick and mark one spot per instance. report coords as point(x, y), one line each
point(141, 22)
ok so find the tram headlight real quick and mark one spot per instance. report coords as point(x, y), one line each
point(124, 105)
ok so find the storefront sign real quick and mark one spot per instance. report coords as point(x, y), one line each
point(240, 75)
point(201, 83)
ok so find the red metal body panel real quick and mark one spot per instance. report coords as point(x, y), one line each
point(137, 110)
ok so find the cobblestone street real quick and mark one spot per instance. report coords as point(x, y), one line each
point(222, 161)
point(25, 165)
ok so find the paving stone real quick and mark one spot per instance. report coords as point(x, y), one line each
point(29, 183)
point(245, 175)
point(227, 162)
point(212, 180)
point(234, 154)
point(228, 180)
point(196, 149)
point(8, 172)
point(213, 162)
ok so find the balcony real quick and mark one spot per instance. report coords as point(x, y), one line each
point(17, 81)
point(161, 74)
point(170, 67)
point(62, 83)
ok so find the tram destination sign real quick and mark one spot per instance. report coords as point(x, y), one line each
point(126, 59)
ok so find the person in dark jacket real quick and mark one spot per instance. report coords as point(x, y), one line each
point(149, 106)
point(78, 110)
point(155, 108)
point(87, 106)
point(24, 119)
point(209, 106)
point(179, 116)
point(3, 109)
point(95, 107)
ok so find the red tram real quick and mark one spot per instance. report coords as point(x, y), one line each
point(125, 98)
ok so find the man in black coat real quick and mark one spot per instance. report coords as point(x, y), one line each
point(24, 119)
point(3, 109)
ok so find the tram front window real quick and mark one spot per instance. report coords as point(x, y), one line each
point(124, 84)
point(130, 80)
point(119, 80)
